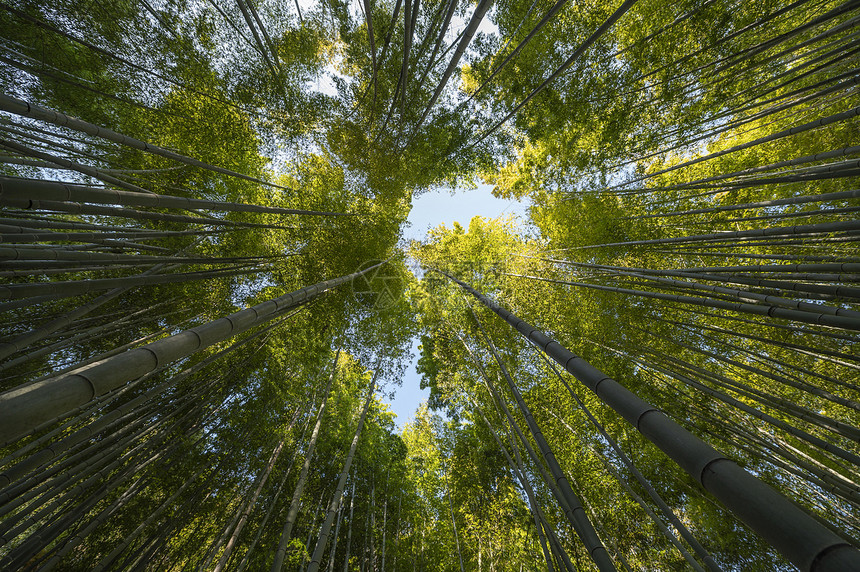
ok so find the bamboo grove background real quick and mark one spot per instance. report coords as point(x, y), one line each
point(206, 294)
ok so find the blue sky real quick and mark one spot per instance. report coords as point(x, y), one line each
point(429, 211)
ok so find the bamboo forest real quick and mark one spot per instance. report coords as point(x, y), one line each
point(210, 293)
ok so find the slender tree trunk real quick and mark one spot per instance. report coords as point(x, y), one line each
point(335, 502)
point(249, 506)
point(519, 471)
point(844, 322)
point(26, 109)
point(517, 433)
point(72, 288)
point(286, 534)
point(362, 565)
point(820, 198)
point(29, 205)
point(349, 530)
point(477, 16)
point(453, 520)
point(371, 534)
point(317, 510)
point(385, 519)
point(30, 189)
point(247, 558)
point(333, 555)
point(398, 533)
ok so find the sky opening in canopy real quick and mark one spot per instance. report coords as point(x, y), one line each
point(430, 210)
